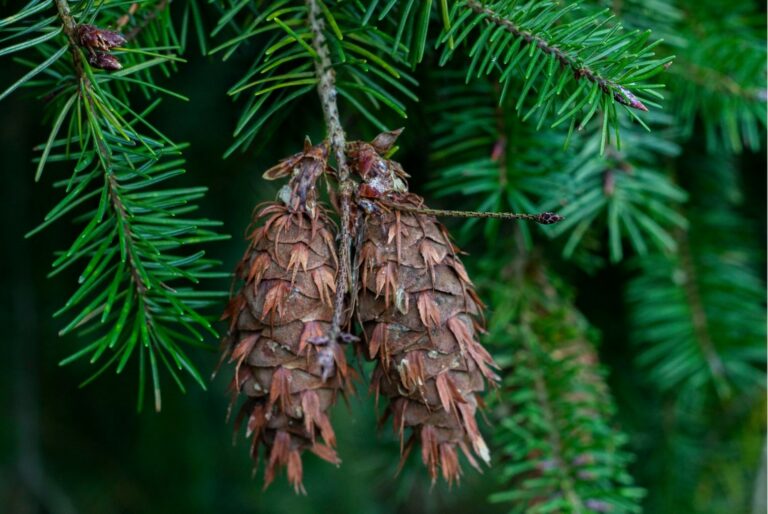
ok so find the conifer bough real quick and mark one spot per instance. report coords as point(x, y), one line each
point(493, 17)
point(137, 250)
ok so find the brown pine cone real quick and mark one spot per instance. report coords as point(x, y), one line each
point(421, 317)
point(289, 373)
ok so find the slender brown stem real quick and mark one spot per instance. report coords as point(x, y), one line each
point(67, 21)
point(123, 20)
point(618, 92)
point(545, 218)
point(69, 26)
point(160, 7)
point(326, 89)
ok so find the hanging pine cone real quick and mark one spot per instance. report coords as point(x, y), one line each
point(420, 316)
point(289, 373)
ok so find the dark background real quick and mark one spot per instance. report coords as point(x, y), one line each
point(64, 449)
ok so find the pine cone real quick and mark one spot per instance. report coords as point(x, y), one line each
point(289, 373)
point(421, 317)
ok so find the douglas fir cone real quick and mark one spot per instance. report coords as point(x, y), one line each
point(420, 315)
point(289, 374)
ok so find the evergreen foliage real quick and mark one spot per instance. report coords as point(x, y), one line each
point(138, 250)
point(719, 74)
point(698, 316)
point(367, 78)
point(560, 450)
point(480, 151)
point(521, 106)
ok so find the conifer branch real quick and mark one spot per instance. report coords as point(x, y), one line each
point(559, 460)
point(133, 294)
point(619, 93)
point(699, 315)
point(113, 188)
point(580, 183)
point(700, 322)
point(326, 89)
point(608, 87)
point(720, 77)
point(564, 67)
point(561, 451)
point(364, 75)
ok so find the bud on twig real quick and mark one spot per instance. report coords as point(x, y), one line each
point(548, 218)
point(624, 97)
point(99, 42)
point(94, 38)
point(104, 61)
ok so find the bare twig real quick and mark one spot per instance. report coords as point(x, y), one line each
point(326, 90)
point(544, 218)
point(151, 15)
point(123, 20)
point(69, 26)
